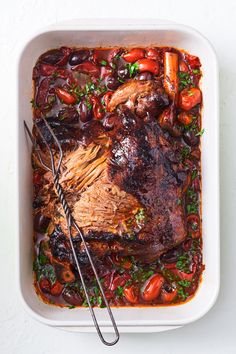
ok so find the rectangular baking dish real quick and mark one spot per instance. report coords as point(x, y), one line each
point(122, 33)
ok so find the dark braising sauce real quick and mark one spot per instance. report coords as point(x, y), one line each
point(129, 123)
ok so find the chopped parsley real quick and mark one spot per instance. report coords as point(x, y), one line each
point(103, 62)
point(182, 294)
point(183, 264)
point(184, 283)
point(33, 103)
point(133, 68)
point(184, 80)
point(185, 152)
point(196, 71)
point(200, 133)
point(194, 174)
point(119, 290)
point(140, 216)
point(71, 307)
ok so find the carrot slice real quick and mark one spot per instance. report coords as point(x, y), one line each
point(171, 64)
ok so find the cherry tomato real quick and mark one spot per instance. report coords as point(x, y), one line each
point(183, 66)
point(134, 55)
point(152, 53)
point(56, 289)
point(152, 287)
point(185, 118)
point(67, 275)
point(109, 294)
point(98, 110)
point(193, 61)
point(113, 54)
point(106, 98)
point(148, 65)
point(183, 275)
point(189, 97)
point(168, 296)
point(45, 285)
point(88, 68)
point(130, 293)
point(119, 280)
point(65, 96)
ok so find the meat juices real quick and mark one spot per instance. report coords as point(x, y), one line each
point(130, 172)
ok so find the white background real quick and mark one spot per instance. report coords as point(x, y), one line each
point(215, 333)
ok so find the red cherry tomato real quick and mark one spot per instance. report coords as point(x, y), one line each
point(185, 118)
point(45, 285)
point(56, 289)
point(106, 98)
point(152, 53)
point(193, 61)
point(88, 68)
point(113, 53)
point(183, 66)
point(152, 287)
point(65, 96)
point(119, 280)
point(189, 97)
point(148, 65)
point(168, 296)
point(98, 110)
point(130, 293)
point(134, 55)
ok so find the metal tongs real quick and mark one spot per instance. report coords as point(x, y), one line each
point(55, 169)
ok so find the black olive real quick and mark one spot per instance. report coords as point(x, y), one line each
point(112, 82)
point(78, 56)
point(190, 138)
point(85, 111)
point(41, 223)
point(52, 57)
point(123, 72)
point(146, 75)
point(72, 296)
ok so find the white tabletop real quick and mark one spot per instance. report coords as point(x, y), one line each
point(215, 333)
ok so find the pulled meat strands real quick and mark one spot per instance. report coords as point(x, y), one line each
point(170, 82)
point(104, 207)
point(82, 166)
point(129, 92)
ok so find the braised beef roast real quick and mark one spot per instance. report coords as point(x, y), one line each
point(123, 184)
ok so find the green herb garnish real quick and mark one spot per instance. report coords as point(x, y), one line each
point(194, 174)
point(183, 264)
point(184, 283)
point(200, 133)
point(185, 152)
point(71, 307)
point(103, 62)
point(133, 68)
point(184, 80)
point(182, 294)
point(119, 290)
point(33, 103)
